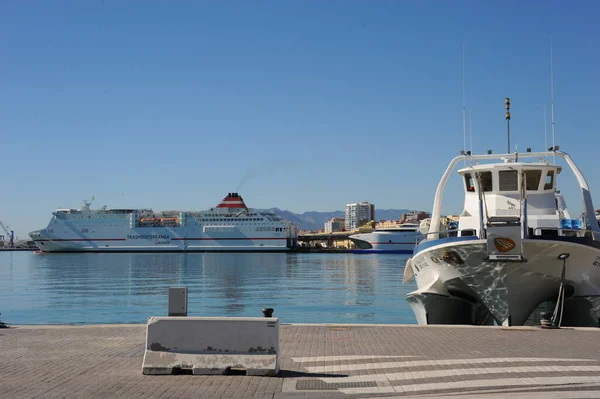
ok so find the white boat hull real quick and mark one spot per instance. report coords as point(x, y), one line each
point(208, 245)
point(385, 242)
point(455, 275)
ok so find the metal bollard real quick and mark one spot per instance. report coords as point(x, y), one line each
point(178, 301)
point(268, 312)
point(546, 319)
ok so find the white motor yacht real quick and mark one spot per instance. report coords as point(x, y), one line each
point(515, 249)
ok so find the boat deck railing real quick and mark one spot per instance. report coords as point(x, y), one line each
point(537, 232)
point(543, 231)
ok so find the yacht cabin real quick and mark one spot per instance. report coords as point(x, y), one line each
point(526, 191)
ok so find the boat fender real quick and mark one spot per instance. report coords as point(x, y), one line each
point(408, 271)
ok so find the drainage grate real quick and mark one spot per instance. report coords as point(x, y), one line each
point(318, 385)
point(338, 328)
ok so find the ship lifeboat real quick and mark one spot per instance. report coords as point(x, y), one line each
point(169, 220)
point(150, 220)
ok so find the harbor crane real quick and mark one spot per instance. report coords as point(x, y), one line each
point(10, 234)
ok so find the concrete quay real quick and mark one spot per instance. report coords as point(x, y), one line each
point(323, 361)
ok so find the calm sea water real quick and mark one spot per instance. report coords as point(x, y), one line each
point(129, 288)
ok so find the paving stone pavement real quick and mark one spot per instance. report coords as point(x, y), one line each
point(322, 361)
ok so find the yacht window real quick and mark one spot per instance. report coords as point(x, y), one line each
point(486, 181)
point(508, 180)
point(549, 180)
point(469, 182)
point(532, 179)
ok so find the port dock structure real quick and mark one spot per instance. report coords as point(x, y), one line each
point(327, 239)
point(317, 360)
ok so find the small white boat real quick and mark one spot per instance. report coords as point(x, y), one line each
point(401, 239)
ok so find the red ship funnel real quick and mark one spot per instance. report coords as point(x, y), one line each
point(233, 200)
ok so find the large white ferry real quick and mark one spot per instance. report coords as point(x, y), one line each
point(231, 226)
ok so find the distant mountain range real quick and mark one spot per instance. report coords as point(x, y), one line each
point(316, 220)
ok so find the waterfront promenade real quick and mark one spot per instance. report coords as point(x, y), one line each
point(346, 361)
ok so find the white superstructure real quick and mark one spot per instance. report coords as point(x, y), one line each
point(401, 239)
point(231, 226)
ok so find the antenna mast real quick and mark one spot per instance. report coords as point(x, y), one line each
point(545, 130)
point(552, 98)
point(463, 98)
point(507, 106)
point(471, 130)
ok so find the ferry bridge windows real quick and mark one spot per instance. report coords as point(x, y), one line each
point(508, 180)
point(549, 183)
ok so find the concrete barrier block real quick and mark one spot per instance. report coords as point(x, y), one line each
point(212, 345)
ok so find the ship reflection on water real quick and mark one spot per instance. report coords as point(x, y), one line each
point(129, 288)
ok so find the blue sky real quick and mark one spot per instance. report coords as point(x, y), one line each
point(317, 103)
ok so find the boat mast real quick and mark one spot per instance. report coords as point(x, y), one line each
point(545, 130)
point(507, 105)
point(463, 101)
point(552, 98)
point(471, 130)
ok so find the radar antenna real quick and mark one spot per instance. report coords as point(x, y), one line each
point(86, 204)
